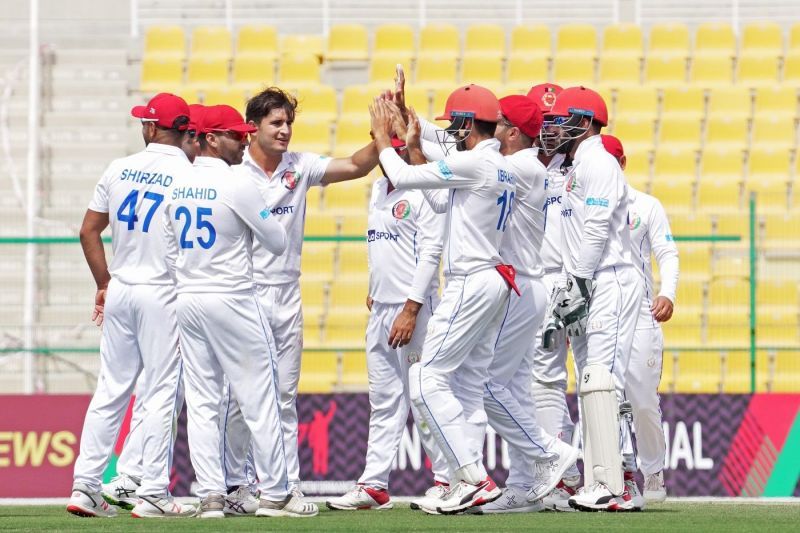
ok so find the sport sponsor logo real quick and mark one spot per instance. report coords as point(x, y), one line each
point(550, 200)
point(401, 210)
point(282, 210)
point(290, 179)
point(374, 235)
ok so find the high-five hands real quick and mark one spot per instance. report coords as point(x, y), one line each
point(381, 123)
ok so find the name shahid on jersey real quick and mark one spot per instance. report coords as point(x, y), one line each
point(150, 178)
point(194, 193)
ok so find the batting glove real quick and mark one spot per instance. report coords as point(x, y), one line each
point(572, 305)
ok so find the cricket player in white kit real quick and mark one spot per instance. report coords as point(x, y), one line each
point(599, 304)
point(212, 220)
point(404, 241)
point(283, 178)
point(650, 234)
point(135, 302)
point(447, 385)
point(507, 398)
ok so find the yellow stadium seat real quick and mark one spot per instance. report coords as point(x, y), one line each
point(715, 39)
point(435, 71)
point(787, 372)
point(730, 328)
point(711, 71)
point(719, 196)
point(570, 70)
point(347, 329)
point(252, 73)
point(396, 40)
point(481, 70)
point(669, 39)
point(695, 260)
point(794, 37)
point(354, 368)
point(730, 101)
point(665, 71)
point(675, 193)
point(721, 164)
point(316, 265)
point(769, 164)
point(762, 39)
point(356, 99)
point(165, 42)
point(690, 224)
point(487, 40)
point(419, 99)
point(672, 163)
point(318, 373)
point(775, 131)
point(203, 73)
point(620, 71)
point(757, 71)
point(211, 42)
point(347, 42)
point(782, 230)
point(684, 329)
point(727, 132)
point(299, 70)
point(777, 327)
point(698, 372)
point(773, 194)
point(728, 296)
point(352, 134)
point(441, 41)
point(353, 261)
point(382, 69)
point(776, 100)
point(635, 133)
point(353, 225)
point(777, 293)
point(320, 223)
point(302, 44)
point(577, 40)
point(230, 95)
point(791, 69)
point(685, 102)
point(526, 71)
point(641, 102)
point(346, 196)
point(318, 102)
point(161, 74)
point(731, 265)
point(621, 40)
point(637, 171)
point(691, 298)
point(313, 292)
point(439, 101)
point(312, 134)
point(257, 40)
point(736, 378)
point(667, 382)
point(532, 40)
point(679, 133)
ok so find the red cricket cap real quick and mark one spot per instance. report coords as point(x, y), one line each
point(196, 112)
point(545, 95)
point(224, 118)
point(523, 113)
point(613, 146)
point(164, 109)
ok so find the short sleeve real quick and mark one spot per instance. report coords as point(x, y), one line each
point(99, 202)
point(314, 166)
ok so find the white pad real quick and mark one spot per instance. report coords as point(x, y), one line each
point(602, 460)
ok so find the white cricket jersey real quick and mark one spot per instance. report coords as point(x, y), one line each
point(595, 233)
point(554, 189)
point(650, 232)
point(522, 241)
point(404, 241)
point(133, 191)
point(285, 191)
point(482, 188)
point(211, 219)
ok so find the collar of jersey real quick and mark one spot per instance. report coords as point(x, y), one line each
point(205, 161)
point(248, 160)
point(587, 145)
point(488, 143)
point(165, 149)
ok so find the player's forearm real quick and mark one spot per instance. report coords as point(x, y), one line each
point(415, 155)
point(437, 199)
point(364, 160)
point(95, 253)
point(404, 176)
point(424, 274)
point(593, 243)
point(271, 235)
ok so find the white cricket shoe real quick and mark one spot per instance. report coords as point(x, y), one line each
point(212, 506)
point(85, 502)
point(549, 473)
point(464, 495)
point(155, 507)
point(512, 500)
point(558, 499)
point(292, 506)
point(432, 499)
point(361, 497)
point(121, 491)
point(654, 489)
point(597, 497)
point(240, 502)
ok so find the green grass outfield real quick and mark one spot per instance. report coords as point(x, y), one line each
point(695, 517)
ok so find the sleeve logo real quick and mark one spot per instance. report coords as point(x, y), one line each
point(401, 210)
point(445, 170)
point(600, 202)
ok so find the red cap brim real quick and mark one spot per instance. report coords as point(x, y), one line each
point(139, 111)
point(244, 128)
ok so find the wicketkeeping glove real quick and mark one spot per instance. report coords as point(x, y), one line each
point(572, 305)
point(552, 322)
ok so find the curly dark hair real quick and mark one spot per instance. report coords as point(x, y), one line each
point(260, 105)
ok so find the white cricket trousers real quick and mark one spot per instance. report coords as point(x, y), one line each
point(641, 387)
point(283, 311)
point(387, 369)
point(224, 334)
point(507, 395)
point(139, 334)
point(447, 385)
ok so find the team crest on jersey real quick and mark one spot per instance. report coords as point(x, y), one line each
point(290, 179)
point(572, 183)
point(401, 210)
point(634, 220)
